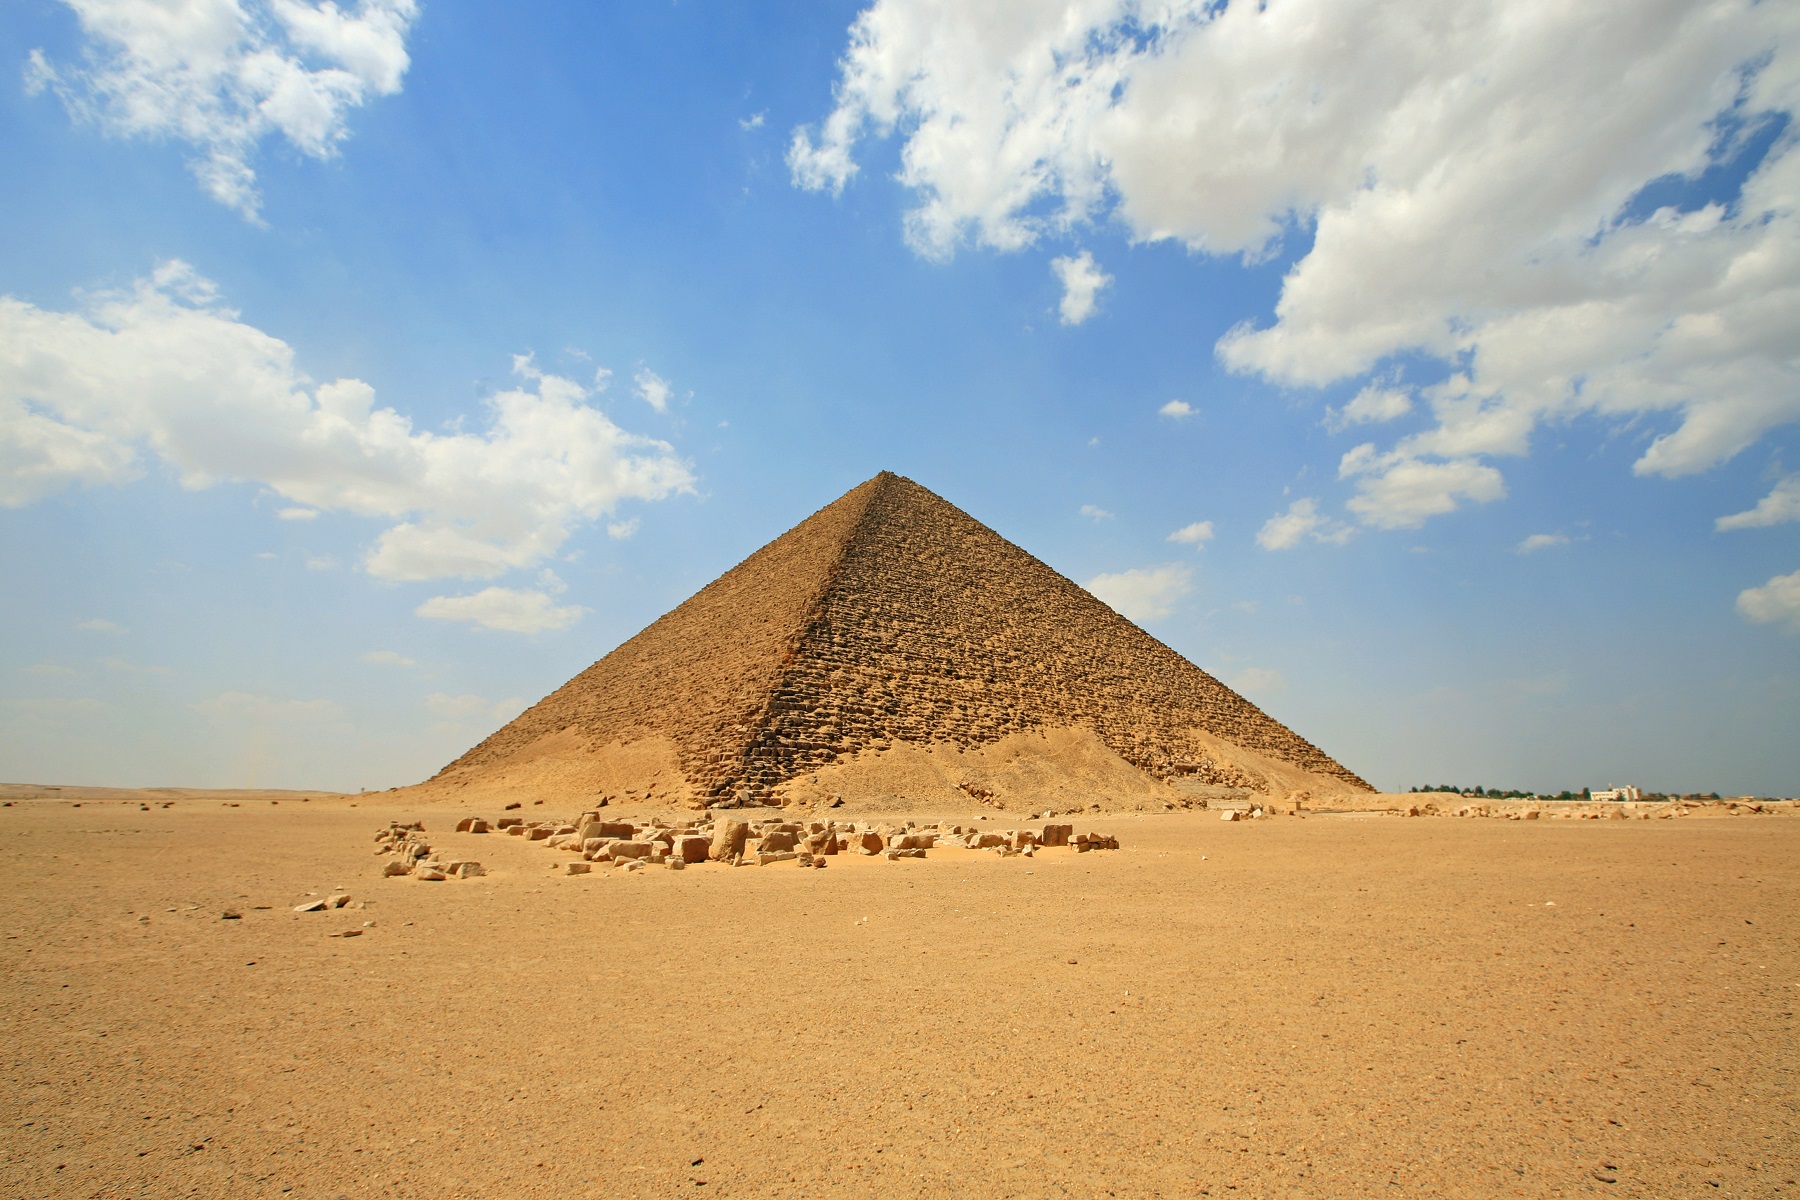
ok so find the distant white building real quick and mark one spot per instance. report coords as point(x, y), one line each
point(1619, 793)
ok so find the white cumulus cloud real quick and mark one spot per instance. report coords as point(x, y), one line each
point(1196, 535)
point(1143, 593)
point(1301, 521)
point(164, 372)
point(1775, 602)
point(1081, 284)
point(1468, 184)
point(1782, 504)
point(225, 75)
point(1178, 409)
point(510, 609)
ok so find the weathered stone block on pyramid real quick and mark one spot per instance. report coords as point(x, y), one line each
point(891, 647)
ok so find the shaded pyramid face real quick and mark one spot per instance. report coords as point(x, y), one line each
point(889, 616)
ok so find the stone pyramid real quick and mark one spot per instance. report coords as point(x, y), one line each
point(888, 619)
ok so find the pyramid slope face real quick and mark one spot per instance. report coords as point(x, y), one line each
point(935, 629)
point(890, 615)
point(700, 676)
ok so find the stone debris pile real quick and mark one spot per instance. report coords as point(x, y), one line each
point(413, 854)
point(1257, 812)
point(675, 845)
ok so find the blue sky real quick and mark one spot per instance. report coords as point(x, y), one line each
point(366, 373)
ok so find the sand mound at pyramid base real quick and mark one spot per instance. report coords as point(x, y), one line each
point(1266, 776)
point(1059, 769)
point(1064, 770)
point(562, 768)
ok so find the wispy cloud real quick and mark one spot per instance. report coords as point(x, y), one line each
point(226, 75)
point(1195, 535)
point(1541, 541)
point(100, 625)
point(652, 389)
point(253, 707)
point(1372, 405)
point(1258, 681)
point(1301, 521)
point(1144, 593)
point(388, 658)
point(1178, 409)
point(467, 706)
point(1094, 512)
point(1781, 505)
point(508, 609)
point(1082, 282)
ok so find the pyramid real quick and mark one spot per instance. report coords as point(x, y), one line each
point(887, 621)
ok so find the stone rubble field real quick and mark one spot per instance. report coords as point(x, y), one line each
point(678, 844)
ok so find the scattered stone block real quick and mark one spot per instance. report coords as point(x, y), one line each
point(1056, 835)
point(728, 838)
point(311, 906)
point(396, 868)
point(577, 868)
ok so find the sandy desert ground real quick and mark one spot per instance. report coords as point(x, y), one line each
point(1335, 1006)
